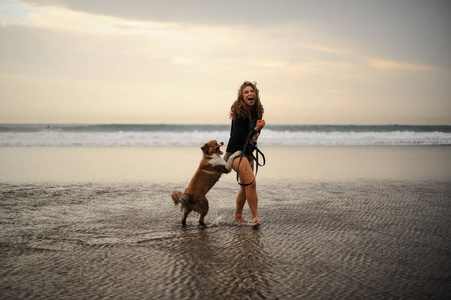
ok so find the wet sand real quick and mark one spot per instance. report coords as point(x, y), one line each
point(174, 164)
point(348, 223)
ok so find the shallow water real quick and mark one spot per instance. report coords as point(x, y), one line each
point(362, 239)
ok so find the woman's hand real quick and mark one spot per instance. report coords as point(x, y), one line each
point(260, 124)
point(254, 138)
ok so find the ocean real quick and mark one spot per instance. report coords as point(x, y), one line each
point(161, 135)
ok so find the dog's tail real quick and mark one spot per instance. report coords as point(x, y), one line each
point(180, 198)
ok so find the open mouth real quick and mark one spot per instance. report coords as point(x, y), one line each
point(218, 149)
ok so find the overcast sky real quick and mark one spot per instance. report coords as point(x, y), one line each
point(138, 61)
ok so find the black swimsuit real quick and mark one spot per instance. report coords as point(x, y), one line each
point(238, 133)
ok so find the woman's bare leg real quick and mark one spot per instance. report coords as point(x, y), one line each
point(248, 193)
point(240, 202)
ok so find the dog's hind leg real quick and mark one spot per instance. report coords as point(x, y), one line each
point(183, 200)
point(186, 211)
point(201, 220)
point(203, 210)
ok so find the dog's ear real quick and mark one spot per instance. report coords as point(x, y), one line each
point(204, 148)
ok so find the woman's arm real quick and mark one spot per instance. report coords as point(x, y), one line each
point(259, 126)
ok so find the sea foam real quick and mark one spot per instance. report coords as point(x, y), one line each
point(195, 135)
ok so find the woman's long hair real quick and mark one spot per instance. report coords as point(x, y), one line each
point(239, 108)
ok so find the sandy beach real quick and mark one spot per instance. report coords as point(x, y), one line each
point(337, 223)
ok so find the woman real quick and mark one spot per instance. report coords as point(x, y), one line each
point(245, 112)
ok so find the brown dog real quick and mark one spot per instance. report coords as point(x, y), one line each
point(211, 167)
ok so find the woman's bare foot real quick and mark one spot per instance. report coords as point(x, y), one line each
point(255, 223)
point(241, 219)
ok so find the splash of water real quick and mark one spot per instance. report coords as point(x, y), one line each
point(216, 221)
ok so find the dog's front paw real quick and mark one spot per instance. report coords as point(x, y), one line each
point(230, 160)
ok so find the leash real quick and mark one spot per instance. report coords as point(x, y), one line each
point(246, 144)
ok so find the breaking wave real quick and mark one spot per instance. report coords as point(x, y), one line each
point(194, 135)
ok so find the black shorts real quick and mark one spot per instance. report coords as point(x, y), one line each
point(249, 157)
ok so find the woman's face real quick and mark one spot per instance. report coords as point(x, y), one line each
point(249, 96)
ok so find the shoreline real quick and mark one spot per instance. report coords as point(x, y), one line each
point(178, 164)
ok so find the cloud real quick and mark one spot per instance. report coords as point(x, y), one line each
point(12, 12)
point(126, 60)
point(384, 64)
point(182, 61)
point(62, 19)
point(200, 12)
point(325, 49)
